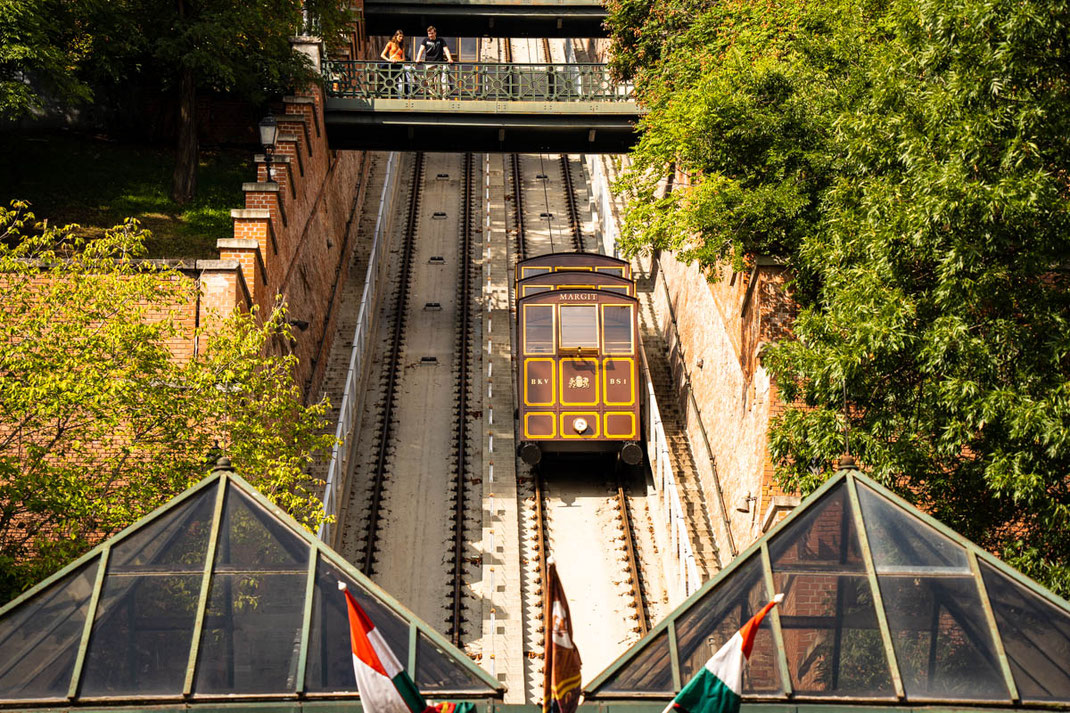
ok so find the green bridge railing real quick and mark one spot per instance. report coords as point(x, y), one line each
point(474, 81)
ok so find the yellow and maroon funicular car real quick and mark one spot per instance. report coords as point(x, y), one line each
point(578, 373)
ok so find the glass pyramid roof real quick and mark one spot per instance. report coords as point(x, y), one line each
point(218, 594)
point(883, 604)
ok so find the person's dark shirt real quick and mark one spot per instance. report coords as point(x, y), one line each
point(434, 49)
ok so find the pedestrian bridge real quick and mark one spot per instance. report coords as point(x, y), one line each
point(478, 106)
point(488, 18)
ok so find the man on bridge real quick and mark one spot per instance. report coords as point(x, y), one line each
point(433, 48)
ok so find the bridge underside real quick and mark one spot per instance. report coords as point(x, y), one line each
point(488, 131)
point(486, 19)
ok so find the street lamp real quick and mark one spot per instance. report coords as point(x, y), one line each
point(269, 131)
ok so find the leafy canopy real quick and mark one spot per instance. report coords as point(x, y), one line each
point(907, 160)
point(61, 50)
point(100, 422)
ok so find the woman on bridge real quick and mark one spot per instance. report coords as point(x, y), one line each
point(394, 53)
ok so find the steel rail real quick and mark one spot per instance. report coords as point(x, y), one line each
point(518, 207)
point(545, 613)
point(630, 549)
point(570, 204)
point(464, 329)
point(393, 364)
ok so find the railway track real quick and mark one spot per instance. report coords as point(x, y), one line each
point(550, 492)
point(415, 529)
point(390, 531)
point(465, 323)
point(393, 369)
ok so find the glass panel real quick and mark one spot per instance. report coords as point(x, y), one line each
point(251, 634)
point(437, 670)
point(40, 638)
point(526, 272)
point(901, 542)
point(141, 639)
point(617, 329)
point(941, 638)
point(619, 290)
point(468, 49)
point(714, 619)
point(831, 638)
point(1036, 638)
point(823, 539)
point(175, 542)
point(330, 658)
point(538, 329)
point(142, 636)
point(253, 623)
point(252, 539)
point(535, 289)
point(618, 271)
point(649, 671)
point(579, 326)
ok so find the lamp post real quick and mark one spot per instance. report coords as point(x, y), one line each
point(269, 131)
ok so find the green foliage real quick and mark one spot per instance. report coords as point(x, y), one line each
point(907, 160)
point(40, 42)
point(58, 49)
point(100, 422)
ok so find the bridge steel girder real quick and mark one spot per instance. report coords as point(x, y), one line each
point(484, 133)
point(487, 19)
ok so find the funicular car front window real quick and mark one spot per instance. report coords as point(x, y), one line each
point(538, 329)
point(617, 329)
point(526, 272)
point(579, 326)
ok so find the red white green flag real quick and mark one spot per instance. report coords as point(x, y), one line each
point(716, 687)
point(383, 684)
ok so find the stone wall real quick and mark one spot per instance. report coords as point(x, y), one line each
point(715, 331)
point(294, 235)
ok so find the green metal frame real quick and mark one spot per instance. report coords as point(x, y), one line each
point(611, 699)
point(605, 703)
point(221, 479)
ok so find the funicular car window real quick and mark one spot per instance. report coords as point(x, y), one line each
point(618, 290)
point(538, 329)
point(533, 271)
point(535, 289)
point(618, 271)
point(617, 329)
point(579, 326)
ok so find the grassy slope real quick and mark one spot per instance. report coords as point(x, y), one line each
point(70, 178)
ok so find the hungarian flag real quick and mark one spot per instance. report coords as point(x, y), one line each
point(561, 666)
point(384, 685)
point(716, 688)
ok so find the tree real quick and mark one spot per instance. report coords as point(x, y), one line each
point(907, 160)
point(41, 51)
point(100, 423)
point(241, 47)
point(237, 46)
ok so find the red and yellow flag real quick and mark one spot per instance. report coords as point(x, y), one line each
point(561, 671)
